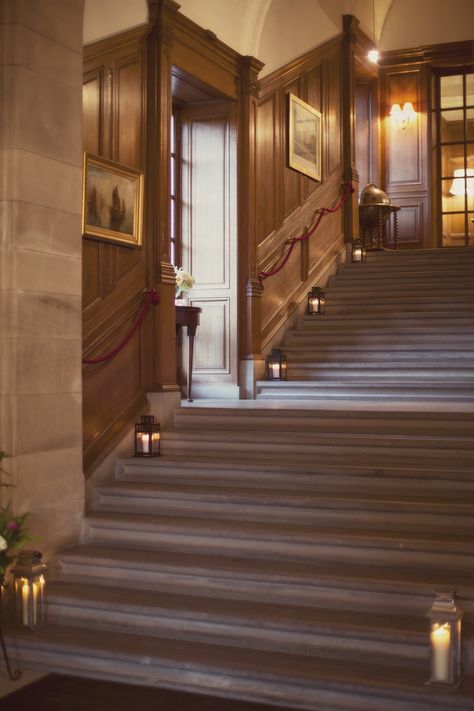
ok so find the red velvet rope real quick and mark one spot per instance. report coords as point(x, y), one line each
point(151, 298)
point(348, 190)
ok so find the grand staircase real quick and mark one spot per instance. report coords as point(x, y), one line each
point(287, 550)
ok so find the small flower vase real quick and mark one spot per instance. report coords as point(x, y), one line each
point(181, 298)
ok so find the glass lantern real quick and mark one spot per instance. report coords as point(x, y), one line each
point(29, 589)
point(316, 301)
point(358, 251)
point(276, 365)
point(445, 640)
point(147, 437)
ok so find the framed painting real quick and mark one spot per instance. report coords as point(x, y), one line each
point(112, 201)
point(304, 138)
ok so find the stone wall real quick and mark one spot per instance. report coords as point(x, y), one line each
point(40, 264)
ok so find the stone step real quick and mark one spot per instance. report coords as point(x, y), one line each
point(354, 586)
point(435, 272)
point(283, 541)
point(423, 308)
point(460, 390)
point(382, 372)
point(255, 624)
point(355, 420)
point(322, 325)
point(306, 445)
point(444, 357)
point(399, 338)
point(294, 681)
point(307, 477)
point(330, 508)
point(407, 319)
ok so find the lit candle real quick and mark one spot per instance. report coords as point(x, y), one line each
point(441, 643)
point(314, 305)
point(42, 583)
point(357, 254)
point(35, 604)
point(145, 442)
point(25, 597)
point(275, 370)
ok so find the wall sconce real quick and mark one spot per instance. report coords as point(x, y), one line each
point(276, 365)
point(403, 116)
point(29, 587)
point(147, 437)
point(316, 301)
point(459, 186)
point(358, 251)
point(445, 640)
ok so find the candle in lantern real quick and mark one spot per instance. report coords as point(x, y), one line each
point(25, 597)
point(441, 643)
point(314, 305)
point(275, 370)
point(35, 604)
point(144, 442)
point(42, 583)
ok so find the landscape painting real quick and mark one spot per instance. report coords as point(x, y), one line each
point(112, 201)
point(304, 138)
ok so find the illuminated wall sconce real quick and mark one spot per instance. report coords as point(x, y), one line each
point(147, 437)
point(276, 365)
point(316, 301)
point(373, 55)
point(460, 186)
point(29, 588)
point(445, 640)
point(403, 116)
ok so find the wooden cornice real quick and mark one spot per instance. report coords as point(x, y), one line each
point(435, 54)
point(299, 65)
point(118, 41)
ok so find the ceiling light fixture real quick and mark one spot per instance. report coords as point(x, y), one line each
point(373, 55)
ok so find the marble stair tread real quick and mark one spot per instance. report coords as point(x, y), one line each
point(271, 676)
point(419, 501)
point(188, 530)
point(354, 576)
point(237, 611)
point(207, 470)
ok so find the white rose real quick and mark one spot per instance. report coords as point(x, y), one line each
point(3, 543)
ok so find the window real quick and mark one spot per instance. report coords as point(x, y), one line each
point(455, 129)
point(175, 192)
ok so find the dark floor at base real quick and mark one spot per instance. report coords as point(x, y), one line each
point(66, 693)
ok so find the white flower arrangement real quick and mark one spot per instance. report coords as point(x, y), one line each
point(184, 281)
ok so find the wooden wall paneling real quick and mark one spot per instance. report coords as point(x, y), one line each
point(249, 287)
point(292, 179)
point(313, 84)
point(91, 101)
point(268, 170)
point(363, 133)
point(406, 147)
point(333, 113)
point(114, 276)
point(413, 223)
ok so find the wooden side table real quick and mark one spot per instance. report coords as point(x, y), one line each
point(188, 316)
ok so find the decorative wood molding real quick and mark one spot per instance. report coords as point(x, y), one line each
point(449, 52)
point(107, 46)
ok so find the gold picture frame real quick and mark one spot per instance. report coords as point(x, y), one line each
point(112, 201)
point(304, 138)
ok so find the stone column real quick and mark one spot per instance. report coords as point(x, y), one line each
point(40, 264)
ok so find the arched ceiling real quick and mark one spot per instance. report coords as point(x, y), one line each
point(277, 31)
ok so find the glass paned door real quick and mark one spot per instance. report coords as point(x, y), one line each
point(454, 116)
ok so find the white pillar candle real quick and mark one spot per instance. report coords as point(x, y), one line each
point(275, 370)
point(144, 441)
point(42, 584)
point(35, 604)
point(25, 598)
point(441, 644)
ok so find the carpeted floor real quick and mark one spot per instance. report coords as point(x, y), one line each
point(66, 693)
